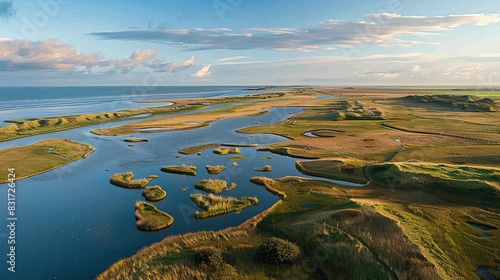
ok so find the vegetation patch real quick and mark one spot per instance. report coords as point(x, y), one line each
point(215, 169)
point(217, 205)
point(133, 140)
point(126, 180)
point(225, 151)
point(41, 157)
point(149, 218)
point(180, 169)
point(154, 193)
point(211, 186)
point(278, 251)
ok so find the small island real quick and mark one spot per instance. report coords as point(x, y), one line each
point(149, 218)
point(266, 168)
point(125, 180)
point(225, 151)
point(134, 140)
point(215, 169)
point(180, 169)
point(217, 205)
point(154, 193)
point(211, 186)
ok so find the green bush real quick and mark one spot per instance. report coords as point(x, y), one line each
point(278, 251)
point(211, 257)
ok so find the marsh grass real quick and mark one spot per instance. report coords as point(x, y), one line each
point(149, 218)
point(126, 180)
point(154, 193)
point(216, 205)
point(180, 169)
point(211, 185)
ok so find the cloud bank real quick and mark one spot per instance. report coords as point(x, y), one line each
point(382, 29)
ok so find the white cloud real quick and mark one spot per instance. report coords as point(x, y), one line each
point(203, 72)
point(415, 69)
point(383, 75)
point(161, 66)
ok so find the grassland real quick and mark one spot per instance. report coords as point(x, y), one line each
point(238, 157)
point(180, 169)
point(409, 222)
point(149, 218)
point(41, 157)
point(211, 185)
point(217, 205)
point(154, 193)
point(126, 180)
point(266, 168)
point(215, 169)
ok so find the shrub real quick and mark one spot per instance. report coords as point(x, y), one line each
point(211, 257)
point(278, 251)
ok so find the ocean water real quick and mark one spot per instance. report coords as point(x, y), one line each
point(33, 102)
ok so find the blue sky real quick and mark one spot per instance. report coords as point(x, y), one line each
point(391, 42)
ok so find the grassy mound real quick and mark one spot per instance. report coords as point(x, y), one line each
point(215, 169)
point(455, 102)
point(211, 186)
point(198, 149)
point(217, 205)
point(125, 180)
point(333, 169)
point(225, 151)
point(150, 218)
point(154, 193)
point(180, 169)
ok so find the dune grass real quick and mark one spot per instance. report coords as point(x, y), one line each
point(216, 205)
point(126, 180)
point(180, 169)
point(154, 193)
point(215, 169)
point(41, 157)
point(149, 218)
point(211, 186)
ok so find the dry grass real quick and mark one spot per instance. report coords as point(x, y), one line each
point(154, 193)
point(126, 180)
point(211, 186)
